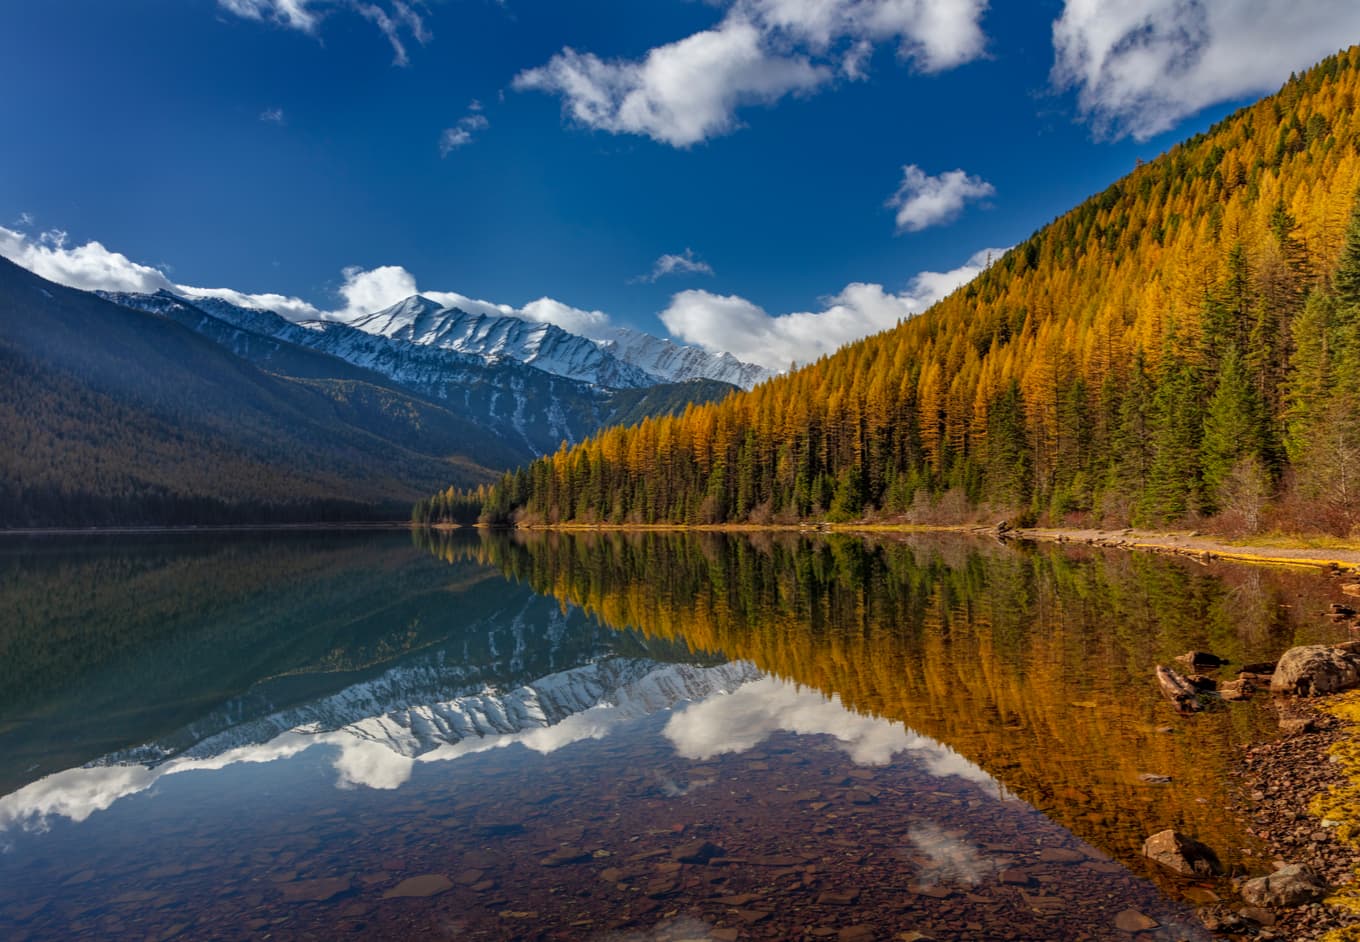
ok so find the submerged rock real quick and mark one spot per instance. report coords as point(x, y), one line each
point(1315, 669)
point(1240, 689)
point(1182, 854)
point(1293, 885)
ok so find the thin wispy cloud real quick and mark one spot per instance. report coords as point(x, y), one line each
point(273, 116)
point(1140, 66)
point(464, 132)
point(686, 263)
point(397, 20)
point(923, 201)
point(690, 90)
point(25, 220)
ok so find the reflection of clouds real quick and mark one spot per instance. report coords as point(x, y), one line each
point(78, 793)
point(948, 859)
point(730, 712)
point(679, 929)
point(371, 764)
point(749, 715)
point(381, 751)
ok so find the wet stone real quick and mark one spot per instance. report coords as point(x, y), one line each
point(564, 856)
point(1060, 855)
point(316, 891)
point(429, 884)
point(697, 852)
point(1131, 921)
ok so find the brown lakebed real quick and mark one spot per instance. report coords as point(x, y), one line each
point(605, 736)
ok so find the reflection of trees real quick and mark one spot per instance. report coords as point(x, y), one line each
point(1034, 664)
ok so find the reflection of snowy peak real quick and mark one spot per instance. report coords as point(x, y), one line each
point(546, 347)
point(676, 363)
point(401, 711)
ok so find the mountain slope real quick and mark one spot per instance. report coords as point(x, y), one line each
point(547, 347)
point(517, 412)
point(678, 363)
point(1171, 348)
point(118, 416)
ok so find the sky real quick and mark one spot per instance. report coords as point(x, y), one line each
point(771, 178)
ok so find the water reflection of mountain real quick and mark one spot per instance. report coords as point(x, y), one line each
point(1033, 663)
point(141, 650)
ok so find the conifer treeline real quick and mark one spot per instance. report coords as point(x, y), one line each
point(1183, 344)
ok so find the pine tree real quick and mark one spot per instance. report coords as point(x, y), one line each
point(1232, 428)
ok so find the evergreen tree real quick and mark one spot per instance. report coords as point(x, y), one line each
point(1232, 428)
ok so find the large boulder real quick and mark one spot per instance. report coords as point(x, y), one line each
point(1289, 886)
point(1314, 670)
point(1184, 855)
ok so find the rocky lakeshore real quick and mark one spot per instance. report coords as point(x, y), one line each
point(1282, 784)
point(1279, 782)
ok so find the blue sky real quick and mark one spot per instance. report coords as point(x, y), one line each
point(766, 176)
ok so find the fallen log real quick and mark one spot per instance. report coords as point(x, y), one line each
point(1179, 690)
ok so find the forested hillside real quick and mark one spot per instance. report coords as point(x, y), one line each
point(115, 416)
point(1182, 345)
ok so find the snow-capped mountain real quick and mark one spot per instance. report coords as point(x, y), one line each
point(676, 363)
point(547, 347)
point(531, 408)
point(622, 358)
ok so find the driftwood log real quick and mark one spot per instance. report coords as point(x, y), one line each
point(1179, 690)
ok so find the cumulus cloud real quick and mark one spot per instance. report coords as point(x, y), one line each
point(679, 94)
point(732, 324)
point(686, 263)
point(92, 267)
point(690, 90)
point(397, 20)
point(1140, 66)
point(923, 201)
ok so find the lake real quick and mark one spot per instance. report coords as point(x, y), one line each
point(650, 736)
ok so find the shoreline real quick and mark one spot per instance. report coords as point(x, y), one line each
point(205, 528)
point(1282, 788)
point(1345, 557)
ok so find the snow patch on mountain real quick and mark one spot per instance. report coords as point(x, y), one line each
point(421, 321)
point(677, 363)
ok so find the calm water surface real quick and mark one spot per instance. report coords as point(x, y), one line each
point(613, 737)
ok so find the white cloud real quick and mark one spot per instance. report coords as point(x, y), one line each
point(686, 263)
point(89, 266)
point(295, 14)
point(923, 201)
point(273, 116)
point(92, 267)
point(463, 132)
point(680, 94)
point(25, 220)
point(729, 323)
point(396, 19)
point(690, 90)
point(1139, 66)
